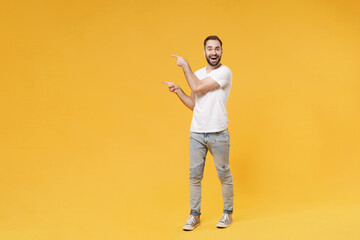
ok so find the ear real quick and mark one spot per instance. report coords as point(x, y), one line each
point(204, 52)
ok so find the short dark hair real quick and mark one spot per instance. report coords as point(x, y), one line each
point(212, 37)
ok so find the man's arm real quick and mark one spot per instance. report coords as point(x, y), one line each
point(188, 101)
point(195, 84)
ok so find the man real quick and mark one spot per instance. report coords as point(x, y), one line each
point(210, 88)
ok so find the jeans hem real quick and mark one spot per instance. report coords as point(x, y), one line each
point(228, 211)
point(195, 213)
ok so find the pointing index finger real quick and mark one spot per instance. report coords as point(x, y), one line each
point(174, 55)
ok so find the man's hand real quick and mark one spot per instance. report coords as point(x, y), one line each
point(172, 87)
point(180, 61)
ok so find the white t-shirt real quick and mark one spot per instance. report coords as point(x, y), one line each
point(209, 114)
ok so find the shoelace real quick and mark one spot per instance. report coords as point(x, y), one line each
point(191, 220)
point(224, 218)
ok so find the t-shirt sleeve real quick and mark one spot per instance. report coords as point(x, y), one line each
point(197, 74)
point(222, 77)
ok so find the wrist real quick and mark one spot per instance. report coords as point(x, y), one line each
point(185, 67)
point(178, 90)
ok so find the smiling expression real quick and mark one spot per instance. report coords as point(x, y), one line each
point(213, 52)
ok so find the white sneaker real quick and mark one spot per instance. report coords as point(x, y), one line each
point(191, 223)
point(225, 221)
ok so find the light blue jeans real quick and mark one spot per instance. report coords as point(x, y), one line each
point(218, 143)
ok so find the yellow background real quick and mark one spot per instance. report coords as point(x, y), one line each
point(93, 146)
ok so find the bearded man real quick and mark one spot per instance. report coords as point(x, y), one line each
point(210, 88)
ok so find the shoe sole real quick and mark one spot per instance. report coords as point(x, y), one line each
point(223, 226)
point(190, 229)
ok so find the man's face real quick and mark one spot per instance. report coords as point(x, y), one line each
point(213, 52)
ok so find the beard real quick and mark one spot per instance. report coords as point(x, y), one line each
point(213, 63)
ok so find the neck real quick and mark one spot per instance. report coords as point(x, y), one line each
point(210, 68)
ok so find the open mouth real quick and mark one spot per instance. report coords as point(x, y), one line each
point(213, 60)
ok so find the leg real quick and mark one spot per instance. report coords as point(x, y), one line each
point(198, 151)
point(219, 148)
